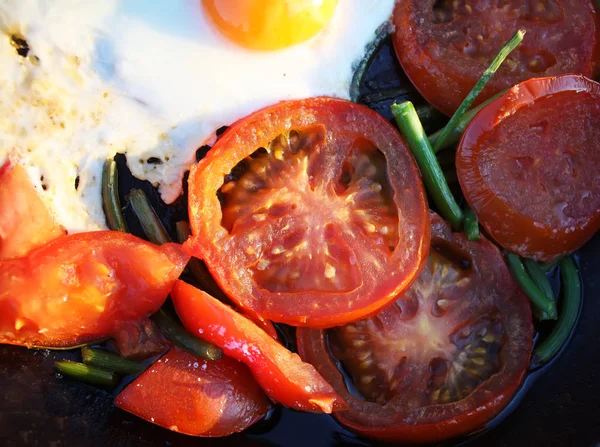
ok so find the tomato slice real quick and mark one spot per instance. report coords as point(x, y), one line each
point(442, 360)
point(527, 165)
point(310, 212)
point(444, 46)
point(283, 376)
point(84, 287)
point(25, 223)
point(195, 396)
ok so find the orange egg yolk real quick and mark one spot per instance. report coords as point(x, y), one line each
point(269, 24)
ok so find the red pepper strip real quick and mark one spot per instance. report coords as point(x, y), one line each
point(281, 373)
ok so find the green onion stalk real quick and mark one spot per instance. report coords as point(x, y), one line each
point(176, 333)
point(446, 134)
point(571, 302)
point(109, 361)
point(87, 373)
point(471, 224)
point(544, 306)
point(150, 222)
point(110, 197)
point(411, 128)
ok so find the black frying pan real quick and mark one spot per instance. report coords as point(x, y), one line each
point(559, 405)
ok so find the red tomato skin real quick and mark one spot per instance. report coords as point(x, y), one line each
point(196, 397)
point(25, 223)
point(282, 374)
point(84, 287)
point(517, 232)
point(209, 241)
point(385, 425)
point(446, 87)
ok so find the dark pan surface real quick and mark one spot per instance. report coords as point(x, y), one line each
point(560, 406)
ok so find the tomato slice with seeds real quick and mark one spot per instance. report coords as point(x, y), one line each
point(195, 396)
point(443, 359)
point(444, 46)
point(527, 165)
point(84, 287)
point(25, 223)
point(310, 212)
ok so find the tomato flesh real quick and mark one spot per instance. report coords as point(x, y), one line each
point(84, 287)
point(283, 376)
point(310, 212)
point(527, 165)
point(25, 223)
point(443, 359)
point(445, 46)
point(195, 396)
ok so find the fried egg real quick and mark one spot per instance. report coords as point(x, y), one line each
point(83, 80)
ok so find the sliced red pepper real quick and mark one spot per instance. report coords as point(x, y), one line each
point(196, 397)
point(281, 373)
point(265, 325)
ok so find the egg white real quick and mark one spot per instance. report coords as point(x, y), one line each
point(148, 79)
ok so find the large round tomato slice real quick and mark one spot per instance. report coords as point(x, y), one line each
point(195, 396)
point(310, 212)
point(445, 45)
point(528, 166)
point(84, 287)
point(25, 223)
point(442, 360)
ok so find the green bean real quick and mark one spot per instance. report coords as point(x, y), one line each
point(151, 224)
point(479, 86)
point(539, 278)
point(453, 135)
point(433, 177)
point(547, 266)
point(177, 334)
point(546, 308)
point(110, 197)
point(571, 301)
point(109, 361)
point(471, 224)
point(183, 231)
point(85, 373)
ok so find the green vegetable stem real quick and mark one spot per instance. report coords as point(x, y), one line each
point(433, 177)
